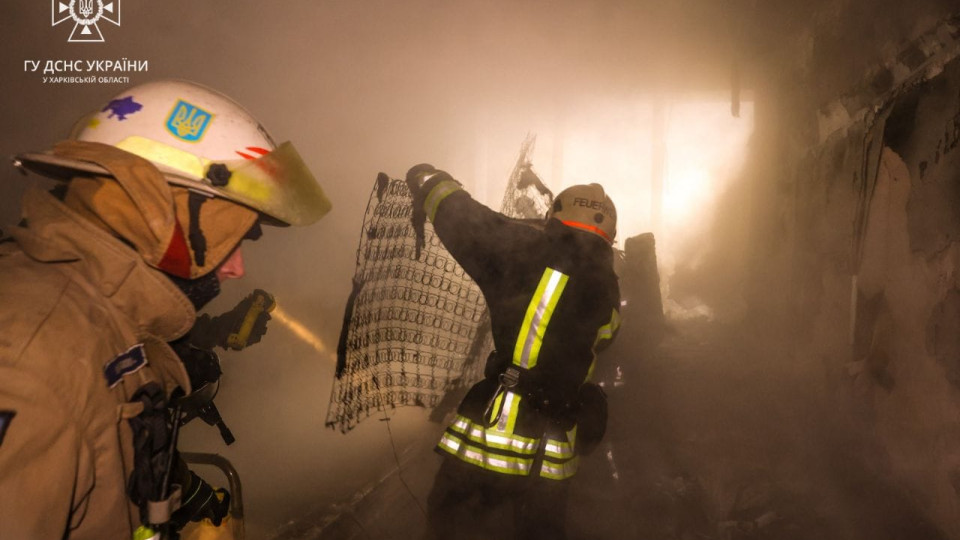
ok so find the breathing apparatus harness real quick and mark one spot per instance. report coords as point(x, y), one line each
point(521, 381)
point(167, 492)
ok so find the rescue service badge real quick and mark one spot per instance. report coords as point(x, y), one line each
point(131, 361)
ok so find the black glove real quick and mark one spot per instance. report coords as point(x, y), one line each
point(202, 365)
point(415, 177)
point(209, 332)
point(199, 500)
point(530, 178)
point(592, 417)
point(418, 217)
point(259, 326)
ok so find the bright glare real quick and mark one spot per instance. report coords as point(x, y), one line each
point(687, 189)
point(703, 150)
point(298, 329)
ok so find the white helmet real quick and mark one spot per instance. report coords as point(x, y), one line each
point(588, 208)
point(203, 140)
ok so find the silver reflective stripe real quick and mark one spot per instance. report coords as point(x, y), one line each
point(487, 460)
point(558, 449)
point(493, 438)
point(537, 318)
point(559, 471)
point(605, 332)
point(497, 409)
point(437, 194)
point(508, 415)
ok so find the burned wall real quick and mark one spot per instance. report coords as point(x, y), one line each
point(875, 288)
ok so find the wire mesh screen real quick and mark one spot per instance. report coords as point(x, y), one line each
point(525, 196)
point(415, 330)
point(410, 325)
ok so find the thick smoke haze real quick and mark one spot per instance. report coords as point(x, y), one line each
point(370, 86)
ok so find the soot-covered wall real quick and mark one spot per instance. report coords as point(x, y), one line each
point(870, 221)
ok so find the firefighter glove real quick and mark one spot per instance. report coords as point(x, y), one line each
point(591, 418)
point(418, 217)
point(240, 327)
point(416, 174)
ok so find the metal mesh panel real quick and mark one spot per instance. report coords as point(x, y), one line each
point(525, 197)
point(415, 331)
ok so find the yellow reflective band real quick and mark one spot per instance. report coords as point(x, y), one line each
point(558, 449)
point(481, 458)
point(439, 192)
point(604, 332)
point(559, 471)
point(495, 410)
point(174, 158)
point(539, 312)
point(508, 416)
point(492, 438)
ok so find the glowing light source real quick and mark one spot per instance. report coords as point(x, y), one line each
point(701, 147)
point(613, 144)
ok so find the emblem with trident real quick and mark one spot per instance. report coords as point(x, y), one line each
point(86, 8)
point(85, 14)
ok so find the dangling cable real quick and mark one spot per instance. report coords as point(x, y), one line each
point(396, 455)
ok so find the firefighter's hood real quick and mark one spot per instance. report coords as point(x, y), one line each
point(53, 233)
point(138, 205)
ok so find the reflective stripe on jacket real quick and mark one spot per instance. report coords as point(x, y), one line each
point(553, 299)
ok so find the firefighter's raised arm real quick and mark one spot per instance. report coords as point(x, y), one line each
point(478, 238)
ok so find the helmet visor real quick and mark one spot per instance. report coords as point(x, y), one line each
point(278, 184)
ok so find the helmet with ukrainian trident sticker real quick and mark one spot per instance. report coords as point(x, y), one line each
point(588, 208)
point(203, 140)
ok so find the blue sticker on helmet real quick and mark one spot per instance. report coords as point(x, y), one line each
point(120, 108)
point(188, 122)
point(5, 418)
point(129, 362)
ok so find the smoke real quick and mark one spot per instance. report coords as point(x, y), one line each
point(363, 87)
point(299, 330)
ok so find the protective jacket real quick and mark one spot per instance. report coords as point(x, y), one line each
point(553, 300)
point(84, 323)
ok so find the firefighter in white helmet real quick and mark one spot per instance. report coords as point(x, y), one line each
point(554, 303)
point(160, 187)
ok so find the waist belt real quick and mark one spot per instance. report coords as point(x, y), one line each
point(518, 381)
